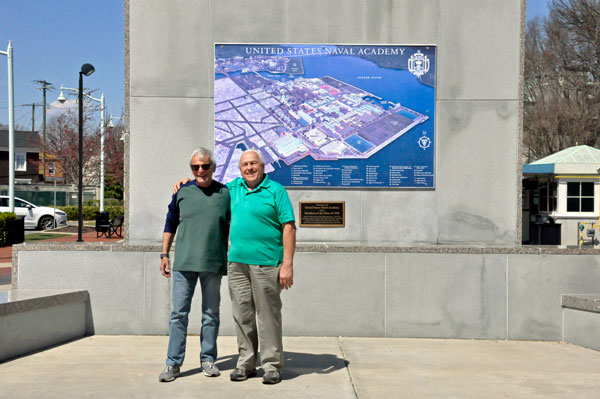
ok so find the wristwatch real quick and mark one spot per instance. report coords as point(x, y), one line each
point(164, 256)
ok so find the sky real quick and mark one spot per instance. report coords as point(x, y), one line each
point(537, 7)
point(51, 39)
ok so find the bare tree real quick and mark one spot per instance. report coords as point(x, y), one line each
point(114, 150)
point(562, 76)
point(62, 141)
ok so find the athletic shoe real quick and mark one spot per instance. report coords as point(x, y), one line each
point(169, 374)
point(210, 369)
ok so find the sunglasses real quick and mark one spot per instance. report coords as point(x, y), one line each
point(204, 166)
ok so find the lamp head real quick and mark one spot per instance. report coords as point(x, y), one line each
point(61, 98)
point(87, 69)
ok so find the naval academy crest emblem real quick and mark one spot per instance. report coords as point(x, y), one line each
point(418, 64)
point(424, 142)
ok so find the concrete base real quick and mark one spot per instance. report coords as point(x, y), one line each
point(32, 320)
point(425, 292)
point(581, 320)
point(582, 328)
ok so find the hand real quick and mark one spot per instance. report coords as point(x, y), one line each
point(177, 185)
point(286, 276)
point(165, 267)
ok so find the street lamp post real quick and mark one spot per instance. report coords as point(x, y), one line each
point(87, 70)
point(62, 99)
point(11, 128)
point(111, 124)
point(112, 118)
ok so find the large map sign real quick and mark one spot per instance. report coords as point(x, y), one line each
point(327, 115)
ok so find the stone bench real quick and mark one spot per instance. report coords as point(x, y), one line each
point(32, 320)
point(581, 320)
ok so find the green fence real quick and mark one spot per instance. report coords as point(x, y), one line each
point(46, 198)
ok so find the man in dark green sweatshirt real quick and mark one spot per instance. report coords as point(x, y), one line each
point(199, 213)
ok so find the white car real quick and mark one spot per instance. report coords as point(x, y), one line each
point(40, 217)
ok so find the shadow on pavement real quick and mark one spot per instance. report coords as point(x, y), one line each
point(296, 364)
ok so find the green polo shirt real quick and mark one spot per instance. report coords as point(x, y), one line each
point(257, 219)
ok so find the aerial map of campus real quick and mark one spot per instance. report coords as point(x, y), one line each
point(327, 115)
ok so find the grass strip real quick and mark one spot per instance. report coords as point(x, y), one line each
point(43, 236)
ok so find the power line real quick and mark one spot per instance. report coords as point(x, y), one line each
point(21, 105)
point(45, 85)
point(21, 117)
point(37, 115)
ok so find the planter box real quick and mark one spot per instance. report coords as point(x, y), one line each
point(14, 232)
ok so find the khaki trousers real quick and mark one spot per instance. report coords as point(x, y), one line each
point(255, 300)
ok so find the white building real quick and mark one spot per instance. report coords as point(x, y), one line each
point(564, 186)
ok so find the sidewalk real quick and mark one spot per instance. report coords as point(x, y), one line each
point(128, 367)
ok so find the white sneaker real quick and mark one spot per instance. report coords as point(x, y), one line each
point(169, 374)
point(210, 369)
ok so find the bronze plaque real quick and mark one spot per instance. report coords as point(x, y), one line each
point(323, 214)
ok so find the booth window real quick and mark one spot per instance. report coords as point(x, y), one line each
point(20, 161)
point(580, 197)
point(51, 169)
point(547, 196)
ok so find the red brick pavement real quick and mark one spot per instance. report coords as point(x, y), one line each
point(5, 254)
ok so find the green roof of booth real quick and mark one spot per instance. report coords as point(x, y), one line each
point(577, 160)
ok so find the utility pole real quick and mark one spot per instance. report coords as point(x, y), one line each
point(46, 86)
point(33, 105)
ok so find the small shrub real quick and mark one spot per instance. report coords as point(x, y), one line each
point(114, 210)
point(6, 218)
point(70, 210)
point(112, 202)
point(89, 212)
point(7, 221)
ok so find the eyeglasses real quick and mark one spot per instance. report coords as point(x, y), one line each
point(204, 166)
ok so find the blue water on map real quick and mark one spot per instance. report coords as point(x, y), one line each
point(407, 114)
point(396, 85)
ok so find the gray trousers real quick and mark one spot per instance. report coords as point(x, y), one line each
point(255, 299)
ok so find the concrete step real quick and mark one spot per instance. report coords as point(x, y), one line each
point(31, 320)
point(581, 320)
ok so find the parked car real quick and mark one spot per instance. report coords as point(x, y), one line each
point(37, 217)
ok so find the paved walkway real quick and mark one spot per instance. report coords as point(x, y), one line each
point(128, 367)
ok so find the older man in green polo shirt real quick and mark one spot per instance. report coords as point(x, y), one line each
point(263, 241)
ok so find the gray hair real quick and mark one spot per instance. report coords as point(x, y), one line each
point(201, 153)
point(261, 159)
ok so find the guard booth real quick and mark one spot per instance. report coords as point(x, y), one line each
point(561, 195)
